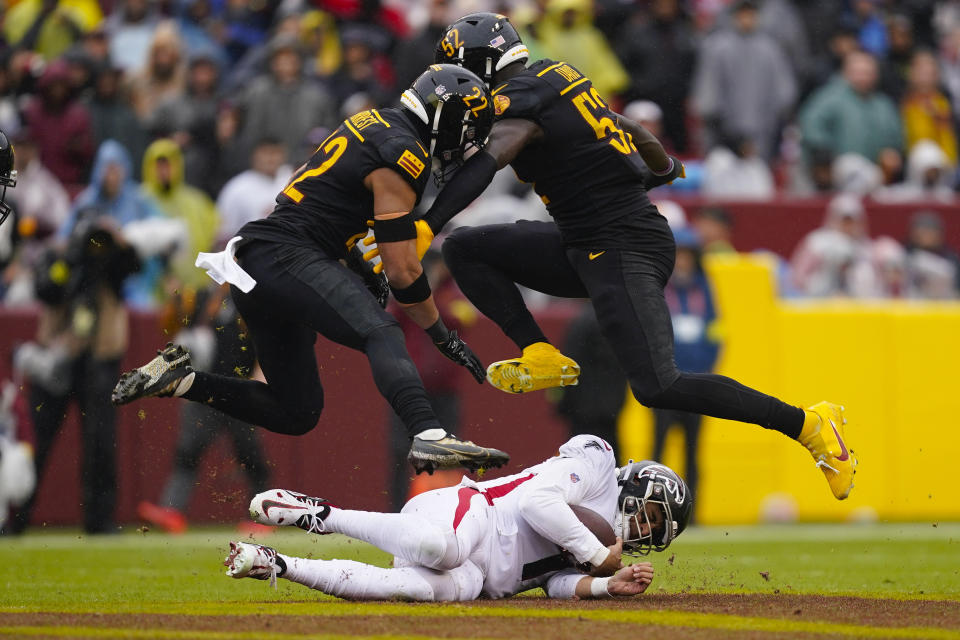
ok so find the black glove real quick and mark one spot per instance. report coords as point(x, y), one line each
point(452, 346)
point(375, 282)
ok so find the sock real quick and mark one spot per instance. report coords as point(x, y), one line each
point(403, 535)
point(358, 581)
point(184, 384)
point(431, 434)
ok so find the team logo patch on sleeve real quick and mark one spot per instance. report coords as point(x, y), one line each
point(500, 104)
point(411, 164)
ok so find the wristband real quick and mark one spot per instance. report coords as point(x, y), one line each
point(395, 229)
point(438, 332)
point(598, 588)
point(666, 171)
point(418, 291)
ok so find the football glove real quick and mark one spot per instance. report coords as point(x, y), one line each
point(424, 238)
point(457, 350)
point(374, 280)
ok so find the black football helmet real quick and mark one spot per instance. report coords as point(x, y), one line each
point(8, 176)
point(456, 106)
point(483, 43)
point(647, 487)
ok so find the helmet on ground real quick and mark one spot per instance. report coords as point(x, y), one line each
point(483, 43)
point(651, 494)
point(456, 106)
point(8, 176)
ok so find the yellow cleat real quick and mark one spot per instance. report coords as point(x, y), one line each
point(822, 434)
point(540, 367)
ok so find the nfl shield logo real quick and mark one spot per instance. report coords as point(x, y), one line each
point(574, 477)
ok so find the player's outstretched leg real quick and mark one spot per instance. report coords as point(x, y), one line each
point(355, 580)
point(822, 435)
point(540, 367)
point(422, 534)
point(165, 375)
point(444, 450)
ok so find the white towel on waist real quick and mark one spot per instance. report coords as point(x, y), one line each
point(223, 268)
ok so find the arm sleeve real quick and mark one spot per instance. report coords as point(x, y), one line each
point(468, 183)
point(563, 584)
point(545, 507)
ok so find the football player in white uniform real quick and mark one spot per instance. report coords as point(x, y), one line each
point(491, 539)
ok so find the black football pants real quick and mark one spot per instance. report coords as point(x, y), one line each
point(301, 292)
point(626, 290)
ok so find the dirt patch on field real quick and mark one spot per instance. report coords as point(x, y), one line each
point(875, 613)
point(485, 627)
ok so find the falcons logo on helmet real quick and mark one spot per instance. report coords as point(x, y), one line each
point(663, 476)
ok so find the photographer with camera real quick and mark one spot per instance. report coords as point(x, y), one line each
point(81, 338)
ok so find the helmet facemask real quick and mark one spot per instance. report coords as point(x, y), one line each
point(645, 524)
point(449, 147)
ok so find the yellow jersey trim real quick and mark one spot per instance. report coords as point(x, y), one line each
point(353, 131)
point(377, 115)
point(580, 81)
point(550, 68)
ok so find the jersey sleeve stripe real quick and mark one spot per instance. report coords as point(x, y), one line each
point(550, 68)
point(580, 81)
point(495, 91)
point(376, 114)
point(353, 131)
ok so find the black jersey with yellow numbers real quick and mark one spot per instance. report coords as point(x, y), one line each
point(585, 168)
point(326, 203)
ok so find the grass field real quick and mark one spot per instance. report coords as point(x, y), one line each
point(865, 581)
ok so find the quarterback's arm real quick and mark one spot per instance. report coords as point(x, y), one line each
point(393, 199)
point(507, 139)
point(628, 581)
point(545, 505)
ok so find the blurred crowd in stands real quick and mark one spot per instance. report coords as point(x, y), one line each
point(170, 123)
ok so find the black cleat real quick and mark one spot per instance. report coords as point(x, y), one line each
point(157, 378)
point(450, 452)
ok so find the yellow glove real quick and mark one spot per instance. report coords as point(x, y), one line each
point(424, 238)
point(682, 174)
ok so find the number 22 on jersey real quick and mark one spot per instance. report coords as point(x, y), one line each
point(622, 142)
point(334, 149)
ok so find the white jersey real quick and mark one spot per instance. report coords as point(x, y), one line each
point(533, 521)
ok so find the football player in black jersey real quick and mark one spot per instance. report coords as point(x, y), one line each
point(592, 168)
point(288, 282)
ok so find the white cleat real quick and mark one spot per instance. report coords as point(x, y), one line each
point(254, 561)
point(283, 508)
